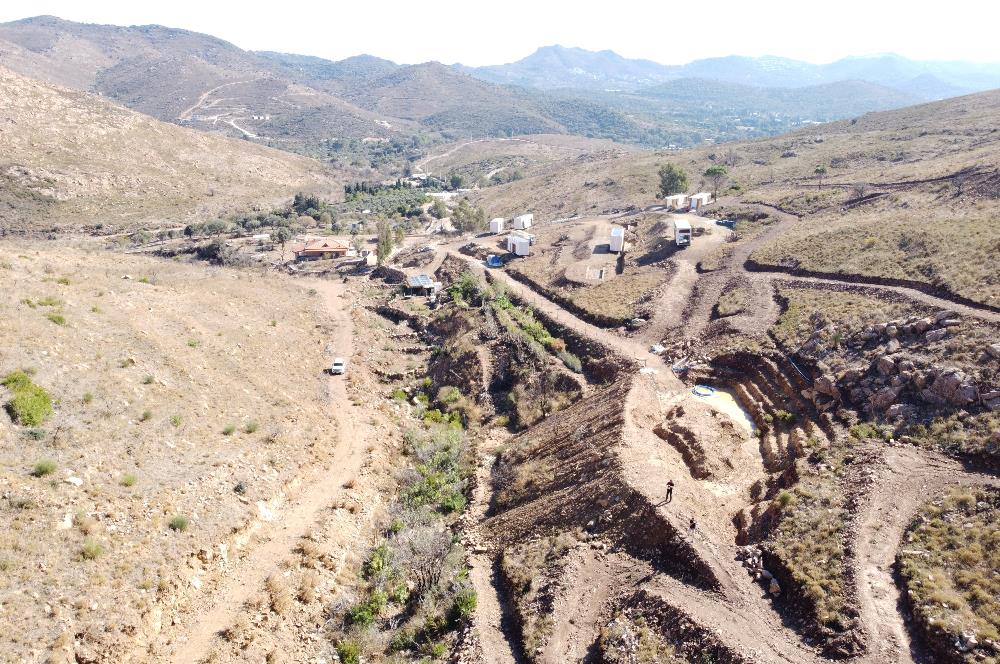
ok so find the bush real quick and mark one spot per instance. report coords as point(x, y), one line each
point(399, 395)
point(146, 416)
point(228, 430)
point(464, 605)
point(148, 380)
point(31, 405)
point(87, 397)
point(571, 361)
point(128, 479)
point(44, 467)
point(349, 652)
point(58, 319)
point(49, 301)
point(178, 523)
point(250, 427)
point(91, 550)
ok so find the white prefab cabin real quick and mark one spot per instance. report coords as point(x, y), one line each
point(496, 225)
point(700, 200)
point(617, 242)
point(676, 201)
point(518, 245)
point(522, 221)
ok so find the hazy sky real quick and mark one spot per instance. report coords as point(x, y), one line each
point(477, 32)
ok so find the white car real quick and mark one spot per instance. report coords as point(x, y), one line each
point(339, 366)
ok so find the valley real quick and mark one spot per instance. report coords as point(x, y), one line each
point(494, 379)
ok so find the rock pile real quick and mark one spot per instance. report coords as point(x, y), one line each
point(896, 381)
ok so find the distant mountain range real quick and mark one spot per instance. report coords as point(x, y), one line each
point(553, 67)
point(366, 111)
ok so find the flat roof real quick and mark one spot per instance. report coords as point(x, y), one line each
point(617, 230)
point(682, 225)
point(419, 281)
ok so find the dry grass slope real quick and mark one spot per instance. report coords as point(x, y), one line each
point(104, 164)
point(109, 500)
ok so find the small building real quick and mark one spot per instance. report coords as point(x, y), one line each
point(421, 284)
point(518, 245)
point(676, 201)
point(700, 200)
point(522, 222)
point(314, 250)
point(682, 232)
point(496, 225)
point(524, 234)
point(617, 242)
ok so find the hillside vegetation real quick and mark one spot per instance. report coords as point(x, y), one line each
point(103, 164)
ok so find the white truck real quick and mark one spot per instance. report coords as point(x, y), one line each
point(682, 232)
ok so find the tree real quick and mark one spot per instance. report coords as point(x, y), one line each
point(456, 181)
point(384, 246)
point(281, 235)
point(717, 174)
point(673, 180)
point(820, 171)
point(439, 210)
point(467, 218)
point(399, 234)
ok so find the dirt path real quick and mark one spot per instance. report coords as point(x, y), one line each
point(216, 608)
point(187, 112)
point(582, 605)
point(419, 167)
point(493, 620)
point(906, 478)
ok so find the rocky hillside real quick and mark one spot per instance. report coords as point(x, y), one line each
point(105, 164)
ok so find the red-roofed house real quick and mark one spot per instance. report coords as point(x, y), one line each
point(314, 250)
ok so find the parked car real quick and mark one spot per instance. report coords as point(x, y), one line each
point(494, 261)
point(339, 367)
point(728, 223)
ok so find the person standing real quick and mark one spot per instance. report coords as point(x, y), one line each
point(670, 491)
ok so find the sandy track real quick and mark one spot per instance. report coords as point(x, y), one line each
point(904, 479)
point(216, 608)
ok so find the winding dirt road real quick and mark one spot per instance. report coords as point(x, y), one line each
point(221, 602)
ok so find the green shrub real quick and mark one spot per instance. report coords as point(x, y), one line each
point(364, 614)
point(193, 343)
point(91, 549)
point(349, 652)
point(399, 395)
point(228, 430)
point(378, 562)
point(148, 380)
point(178, 523)
point(250, 427)
point(63, 280)
point(464, 605)
point(452, 503)
point(785, 498)
point(128, 479)
point(58, 319)
point(175, 420)
point(448, 395)
point(27, 301)
point(44, 467)
point(87, 397)
point(31, 405)
point(146, 416)
point(571, 361)
point(49, 301)
point(126, 363)
point(35, 434)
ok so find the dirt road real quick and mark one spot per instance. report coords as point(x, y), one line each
point(277, 538)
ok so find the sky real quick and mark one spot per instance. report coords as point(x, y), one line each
point(480, 33)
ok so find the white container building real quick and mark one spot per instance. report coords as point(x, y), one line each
point(617, 242)
point(522, 222)
point(518, 245)
point(700, 200)
point(496, 225)
point(676, 201)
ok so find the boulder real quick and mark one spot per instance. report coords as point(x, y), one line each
point(851, 376)
point(886, 365)
point(905, 365)
point(923, 325)
point(774, 587)
point(944, 314)
point(901, 410)
point(827, 384)
point(884, 398)
point(993, 350)
point(950, 322)
point(936, 335)
point(892, 331)
point(954, 387)
point(893, 346)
